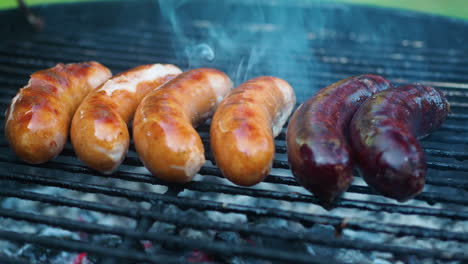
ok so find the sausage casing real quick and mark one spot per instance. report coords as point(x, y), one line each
point(384, 135)
point(318, 150)
point(163, 127)
point(99, 131)
point(39, 116)
point(244, 126)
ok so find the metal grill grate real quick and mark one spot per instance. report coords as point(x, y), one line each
point(360, 221)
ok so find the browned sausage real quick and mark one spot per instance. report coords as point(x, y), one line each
point(99, 131)
point(244, 126)
point(163, 128)
point(318, 149)
point(39, 116)
point(384, 135)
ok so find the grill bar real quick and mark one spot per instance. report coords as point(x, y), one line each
point(152, 47)
point(184, 203)
point(221, 247)
point(426, 196)
point(446, 166)
point(457, 107)
point(71, 52)
point(459, 155)
point(15, 84)
point(447, 139)
point(455, 128)
point(77, 246)
point(119, 65)
point(430, 164)
point(63, 55)
point(346, 203)
point(325, 55)
point(271, 178)
point(9, 260)
point(148, 41)
point(320, 79)
point(207, 187)
point(290, 181)
point(383, 46)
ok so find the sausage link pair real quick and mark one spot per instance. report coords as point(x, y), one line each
point(384, 135)
point(163, 127)
point(318, 150)
point(244, 126)
point(39, 116)
point(99, 131)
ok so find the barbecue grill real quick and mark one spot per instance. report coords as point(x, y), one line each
point(61, 211)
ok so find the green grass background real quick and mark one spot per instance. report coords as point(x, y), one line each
point(451, 8)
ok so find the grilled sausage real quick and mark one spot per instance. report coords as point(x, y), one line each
point(39, 116)
point(163, 127)
point(99, 131)
point(244, 126)
point(384, 135)
point(318, 149)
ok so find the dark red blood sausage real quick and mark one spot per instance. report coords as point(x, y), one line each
point(318, 149)
point(384, 135)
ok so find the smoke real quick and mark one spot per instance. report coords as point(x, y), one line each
point(245, 39)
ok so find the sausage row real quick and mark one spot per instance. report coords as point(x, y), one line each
point(360, 121)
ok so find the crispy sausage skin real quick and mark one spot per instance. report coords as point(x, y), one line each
point(244, 126)
point(384, 135)
point(317, 142)
point(39, 116)
point(163, 127)
point(99, 131)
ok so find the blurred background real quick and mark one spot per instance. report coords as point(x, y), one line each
point(84, 216)
point(451, 8)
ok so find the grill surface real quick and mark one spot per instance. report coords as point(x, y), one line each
point(408, 48)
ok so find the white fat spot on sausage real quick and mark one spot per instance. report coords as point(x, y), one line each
point(289, 100)
point(221, 85)
point(116, 154)
point(286, 89)
point(104, 132)
point(36, 123)
point(98, 78)
point(12, 106)
point(130, 81)
point(221, 126)
point(16, 98)
point(192, 166)
point(418, 101)
point(177, 167)
point(60, 140)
